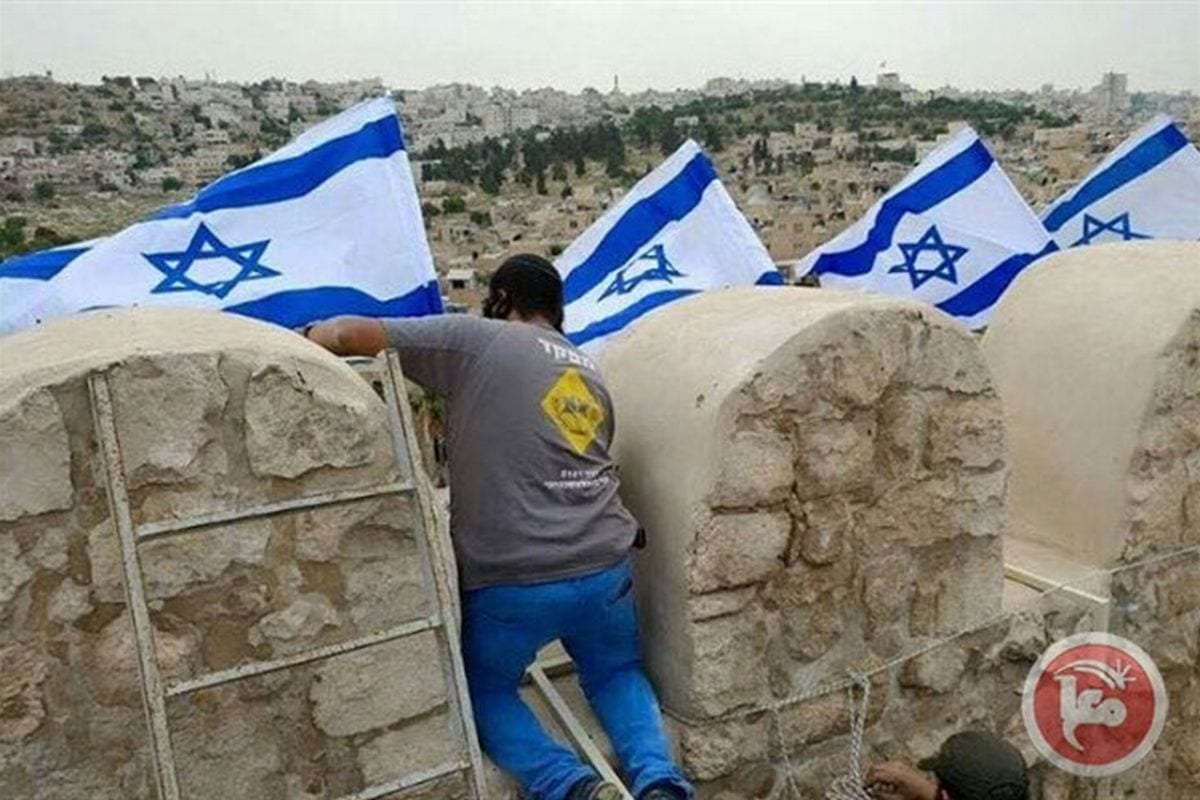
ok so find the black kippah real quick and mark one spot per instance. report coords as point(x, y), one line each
point(525, 269)
point(531, 285)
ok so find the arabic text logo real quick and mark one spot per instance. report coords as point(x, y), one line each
point(1094, 704)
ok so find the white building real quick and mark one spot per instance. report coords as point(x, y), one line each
point(17, 146)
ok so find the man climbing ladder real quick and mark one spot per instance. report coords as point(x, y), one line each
point(541, 537)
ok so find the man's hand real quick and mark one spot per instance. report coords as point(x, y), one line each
point(895, 781)
point(350, 337)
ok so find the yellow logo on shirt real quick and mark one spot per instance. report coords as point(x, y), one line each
point(574, 409)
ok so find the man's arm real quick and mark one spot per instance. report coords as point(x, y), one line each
point(435, 351)
point(895, 781)
point(350, 337)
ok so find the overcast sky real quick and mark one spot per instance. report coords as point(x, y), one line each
point(573, 45)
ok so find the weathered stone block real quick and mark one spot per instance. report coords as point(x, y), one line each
point(14, 571)
point(718, 604)
point(304, 618)
point(968, 431)
point(69, 602)
point(372, 689)
point(835, 455)
point(730, 669)
point(713, 751)
point(173, 564)
point(22, 709)
point(419, 745)
point(755, 470)
point(739, 549)
point(168, 411)
point(822, 529)
point(938, 671)
point(296, 423)
point(35, 459)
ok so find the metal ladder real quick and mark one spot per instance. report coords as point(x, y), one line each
point(442, 622)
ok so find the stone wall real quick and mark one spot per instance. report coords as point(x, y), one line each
point(822, 479)
point(212, 413)
point(1096, 354)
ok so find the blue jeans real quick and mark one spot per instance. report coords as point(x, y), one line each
point(503, 629)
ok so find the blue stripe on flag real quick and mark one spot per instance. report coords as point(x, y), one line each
point(289, 178)
point(627, 315)
point(1137, 162)
point(40, 266)
point(637, 226)
point(770, 278)
point(302, 306)
point(947, 180)
point(983, 293)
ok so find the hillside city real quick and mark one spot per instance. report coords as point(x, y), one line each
point(500, 170)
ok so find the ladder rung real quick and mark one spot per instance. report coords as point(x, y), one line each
point(163, 527)
point(408, 781)
point(262, 667)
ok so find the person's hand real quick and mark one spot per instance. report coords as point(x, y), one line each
point(895, 781)
point(348, 336)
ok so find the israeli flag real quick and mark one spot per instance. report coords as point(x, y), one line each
point(1148, 188)
point(953, 233)
point(330, 224)
point(676, 233)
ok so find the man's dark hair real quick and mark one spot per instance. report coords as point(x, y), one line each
point(528, 284)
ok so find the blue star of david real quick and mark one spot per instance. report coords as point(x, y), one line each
point(931, 241)
point(1093, 227)
point(635, 272)
point(206, 245)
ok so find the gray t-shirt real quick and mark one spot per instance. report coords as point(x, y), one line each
point(533, 491)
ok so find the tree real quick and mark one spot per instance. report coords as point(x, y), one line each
point(44, 190)
point(171, 184)
point(541, 182)
point(12, 236)
point(237, 160)
point(567, 191)
point(44, 238)
point(454, 204)
point(491, 179)
point(559, 171)
point(580, 166)
point(93, 132)
point(614, 167)
point(669, 139)
point(713, 139)
point(430, 210)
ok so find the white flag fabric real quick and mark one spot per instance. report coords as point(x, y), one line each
point(953, 233)
point(677, 232)
point(329, 224)
point(1148, 188)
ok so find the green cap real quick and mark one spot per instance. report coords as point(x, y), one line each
point(977, 765)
